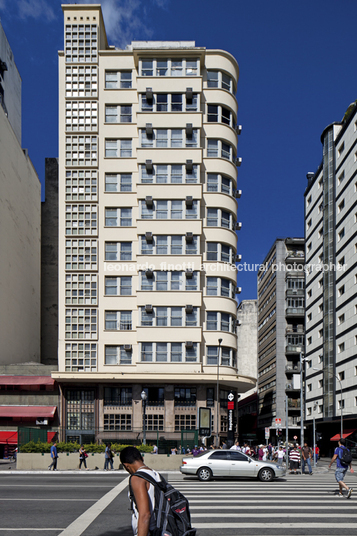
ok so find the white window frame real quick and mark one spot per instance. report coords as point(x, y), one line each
point(154, 247)
point(119, 81)
point(215, 183)
point(176, 281)
point(118, 148)
point(171, 104)
point(122, 282)
point(117, 353)
point(123, 216)
point(219, 149)
point(171, 178)
point(223, 80)
point(220, 118)
point(117, 251)
point(121, 182)
point(158, 67)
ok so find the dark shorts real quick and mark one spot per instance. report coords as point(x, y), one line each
point(294, 465)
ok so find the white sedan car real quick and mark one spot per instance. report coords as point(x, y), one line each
point(232, 463)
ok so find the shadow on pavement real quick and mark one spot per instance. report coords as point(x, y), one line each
point(123, 532)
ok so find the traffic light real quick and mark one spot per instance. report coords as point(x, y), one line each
point(318, 436)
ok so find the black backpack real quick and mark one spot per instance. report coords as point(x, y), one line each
point(346, 457)
point(171, 509)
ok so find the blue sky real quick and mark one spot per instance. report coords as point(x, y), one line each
point(297, 75)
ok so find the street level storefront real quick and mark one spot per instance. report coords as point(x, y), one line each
point(115, 411)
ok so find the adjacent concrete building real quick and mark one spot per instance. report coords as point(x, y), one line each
point(247, 333)
point(147, 233)
point(280, 335)
point(28, 394)
point(20, 222)
point(331, 304)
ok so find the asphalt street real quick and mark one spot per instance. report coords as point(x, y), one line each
point(96, 504)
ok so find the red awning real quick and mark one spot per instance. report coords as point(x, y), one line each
point(346, 433)
point(8, 438)
point(26, 380)
point(28, 411)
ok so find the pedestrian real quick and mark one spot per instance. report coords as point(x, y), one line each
point(224, 445)
point(341, 469)
point(82, 457)
point(280, 455)
point(270, 450)
point(143, 522)
point(235, 446)
point(155, 449)
point(316, 453)
point(306, 456)
point(174, 451)
point(294, 457)
point(260, 452)
point(108, 458)
point(54, 456)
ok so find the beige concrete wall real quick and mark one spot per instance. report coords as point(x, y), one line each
point(20, 224)
point(70, 462)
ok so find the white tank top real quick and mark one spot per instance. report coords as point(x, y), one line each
point(151, 493)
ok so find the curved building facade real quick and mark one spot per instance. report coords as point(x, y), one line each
point(147, 243)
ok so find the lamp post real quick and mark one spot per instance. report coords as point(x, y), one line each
point(218, 401)
point(302, 361)
point(314, 432)
point(144, 398)
point(338, 379)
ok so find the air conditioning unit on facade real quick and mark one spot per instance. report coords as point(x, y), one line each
point(128, 347)
point(237, 193)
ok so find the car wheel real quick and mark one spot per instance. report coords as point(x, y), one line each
point(266, 475)
point(204, 474)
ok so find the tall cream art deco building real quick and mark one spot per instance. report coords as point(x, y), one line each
point(147, 233)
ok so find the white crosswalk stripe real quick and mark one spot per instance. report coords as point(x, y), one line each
point(298, 505)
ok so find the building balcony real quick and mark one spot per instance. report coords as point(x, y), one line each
point(292, 369)
point(294, 404)
point(289, 387)
point(294, 348)
point(295, 257)
point(290, 292)
point(295, 311)
point(299, 328)
point(293, 421)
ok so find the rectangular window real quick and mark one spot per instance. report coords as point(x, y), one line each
point(212, 113)
point(212, 148)
point(118, 148)
point(176, 352)
point(212, 286)
point(176, 316)
point(212, 217)
point(118, 217)
point(117, 79)
point(118, 182)
point(116, 355)
point(161, 352)
point(212, 79)
point(118, 320)
point(118, 286)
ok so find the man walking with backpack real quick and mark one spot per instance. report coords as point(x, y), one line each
point(343, 461)
point(156, 505)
